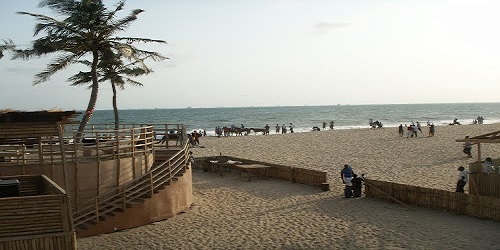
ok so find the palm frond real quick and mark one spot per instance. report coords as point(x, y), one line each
point(59, 63)
point(131, 40)
point(134, 83)
point(81, 78)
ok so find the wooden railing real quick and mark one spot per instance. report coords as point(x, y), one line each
point(133, 192)
point(99, 142)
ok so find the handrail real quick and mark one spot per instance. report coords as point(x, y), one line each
point(121, 196)
point(98, 143)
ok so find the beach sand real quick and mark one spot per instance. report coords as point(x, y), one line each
point(231, 213)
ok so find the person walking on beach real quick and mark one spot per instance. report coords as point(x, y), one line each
point(331, 125)
point(409, 131)
point(283, 129)
point(467, 147)
point(462, 179)
point(418, 127)
point(431, 130)
point(324, 125)
point(267, 129)
point(277, 128)
point(400, 130)
point(291, 127)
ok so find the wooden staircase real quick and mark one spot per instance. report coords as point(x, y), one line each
point(165, 170)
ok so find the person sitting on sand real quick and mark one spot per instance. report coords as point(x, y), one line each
point(455, 122)
point(462, 179)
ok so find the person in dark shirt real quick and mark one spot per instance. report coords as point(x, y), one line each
point(346, 174)
point(357, 185)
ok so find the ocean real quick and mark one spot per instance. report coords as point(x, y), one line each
point(304, 118)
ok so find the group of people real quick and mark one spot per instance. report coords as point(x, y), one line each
point(284, 128)
point(331, 125)
point(413, 129)
point(478, 120)
point(194, 138)
point(375, 124)
point(486, 168)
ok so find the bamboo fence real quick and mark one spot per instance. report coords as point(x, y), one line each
point(486, 207)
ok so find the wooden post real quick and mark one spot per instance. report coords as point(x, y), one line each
point(169, 171)
point(151, 182)
point(96, 209)
point(40, 151)
point(473, 182)
point(60, 131)
point(479, 152)
point(124, 197)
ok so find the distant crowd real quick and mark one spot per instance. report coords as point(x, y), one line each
point(413, 129)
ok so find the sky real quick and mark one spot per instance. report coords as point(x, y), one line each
point(235, 53)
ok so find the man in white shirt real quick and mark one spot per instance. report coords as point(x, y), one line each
point(462, 179)
point(488, 166)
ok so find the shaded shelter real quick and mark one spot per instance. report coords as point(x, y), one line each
point(493, 137)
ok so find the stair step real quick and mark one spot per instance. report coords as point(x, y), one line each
point(135, 202)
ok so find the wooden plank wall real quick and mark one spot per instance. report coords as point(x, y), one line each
point(31, 215)
point(49, 241)
point(486, 207)
point(294, 174)
point(484, 184)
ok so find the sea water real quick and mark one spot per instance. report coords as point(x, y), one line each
point(304, 118)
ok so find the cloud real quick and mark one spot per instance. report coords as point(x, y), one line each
point(323, 27)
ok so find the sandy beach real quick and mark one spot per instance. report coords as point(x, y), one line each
point(230, 213)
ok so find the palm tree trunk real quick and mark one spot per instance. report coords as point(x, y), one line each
point(93, 97)
point(115, 107)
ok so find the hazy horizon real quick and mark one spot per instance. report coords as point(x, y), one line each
point(283, 53)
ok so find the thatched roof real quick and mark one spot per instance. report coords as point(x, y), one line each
point(21, 127)
point(493, 137)
point(44, 117)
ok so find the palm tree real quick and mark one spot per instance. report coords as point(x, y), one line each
point(111, 67)
point(88, 30)
point(6, 46)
